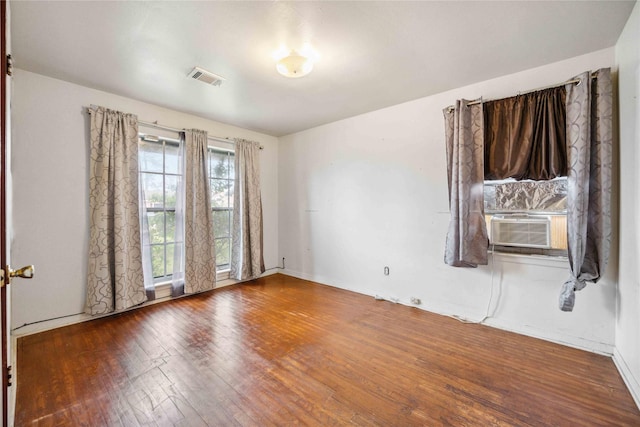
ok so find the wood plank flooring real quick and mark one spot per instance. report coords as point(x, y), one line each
point(283, 351)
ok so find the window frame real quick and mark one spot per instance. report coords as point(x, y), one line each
point(223, 269)
point(161, 140)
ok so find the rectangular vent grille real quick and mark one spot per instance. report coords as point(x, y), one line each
point(527, 232)
point(205, 76)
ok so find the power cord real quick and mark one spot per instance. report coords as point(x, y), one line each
point(46, 320)
point(486, 316)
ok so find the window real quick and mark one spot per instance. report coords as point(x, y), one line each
point(527, 217)
point(221, 177)
point(525, 139)
point(160, 174)
point(159, 177)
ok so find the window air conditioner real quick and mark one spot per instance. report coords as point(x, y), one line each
point(521, 230)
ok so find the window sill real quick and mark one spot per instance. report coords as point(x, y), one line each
point(163, 289)
point(223, 275)
point(531, 259)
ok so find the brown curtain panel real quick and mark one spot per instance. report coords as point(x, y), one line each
point(525, 137)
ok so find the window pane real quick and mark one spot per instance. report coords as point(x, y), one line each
point(231, 190)
point(219, 166)
point(219, 193)
point(171, 188)
point(150, 156)
point(157, 260)
point(170, 250)
point(223, 247)
point(231, 166)
point(152, 187)
point(156, 227)
point(160, 166)
point(170, 217)
point(172, 157)
point(221, 223)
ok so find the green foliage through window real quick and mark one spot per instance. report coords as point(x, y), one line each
point(221, 181)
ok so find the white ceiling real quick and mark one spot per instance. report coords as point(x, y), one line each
point(373, 54)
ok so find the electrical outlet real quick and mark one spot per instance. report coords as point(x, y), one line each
point(415, 301)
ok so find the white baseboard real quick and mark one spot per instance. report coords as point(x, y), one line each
point(467, 314)
point(604, 349)
point(271, 271)
point(162, 296)
point(77, 318)
point(314, 278)
point(627, 376)
point(51, 324)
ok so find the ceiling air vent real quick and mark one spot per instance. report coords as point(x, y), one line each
point(205, 76)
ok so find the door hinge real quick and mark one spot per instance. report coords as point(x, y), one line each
point(9, 376)
point(9, 65)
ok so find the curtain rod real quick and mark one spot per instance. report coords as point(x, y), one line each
point(158, 126)
point(574, 81)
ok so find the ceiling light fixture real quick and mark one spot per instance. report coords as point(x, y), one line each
point(295, 63)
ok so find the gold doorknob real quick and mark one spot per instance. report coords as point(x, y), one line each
point(7, 273)
point(25, 272)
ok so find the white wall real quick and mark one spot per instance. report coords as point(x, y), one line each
point(50, 176)
point(628, 314)
point(371, 191)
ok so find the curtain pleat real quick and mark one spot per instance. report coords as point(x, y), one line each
point(247, 260)
point(115, 278)
point(199, 249)
point(525, 136)
point(589, 149)
point(467, 242)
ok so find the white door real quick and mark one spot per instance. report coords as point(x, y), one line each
point(6, 273)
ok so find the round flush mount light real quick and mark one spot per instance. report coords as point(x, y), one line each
point(293, 63)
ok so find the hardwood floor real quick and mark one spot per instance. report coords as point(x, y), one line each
point(283, 351)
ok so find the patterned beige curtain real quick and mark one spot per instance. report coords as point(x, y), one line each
point(246, 251)
point(467, 241)
point(115, 279)
point(589, 150)
point(199, 250)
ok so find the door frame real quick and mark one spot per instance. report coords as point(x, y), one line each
point(3, 211)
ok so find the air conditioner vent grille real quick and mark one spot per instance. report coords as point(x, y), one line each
point(529, 232)
point(206, 76)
